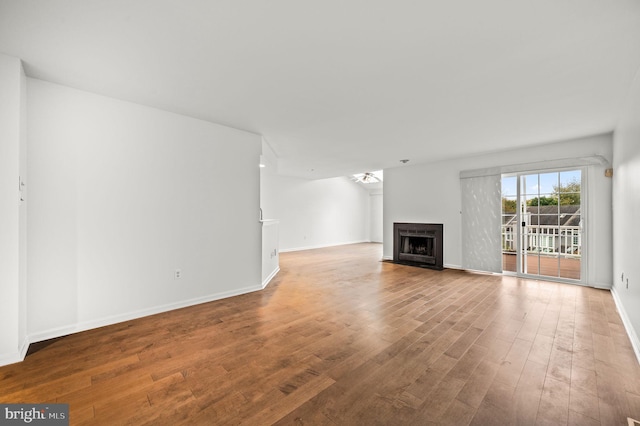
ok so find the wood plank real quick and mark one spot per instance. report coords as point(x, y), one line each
point(554, 403)
point(475, 388)
point(339, 337)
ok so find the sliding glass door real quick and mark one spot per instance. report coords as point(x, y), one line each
point(542, 221)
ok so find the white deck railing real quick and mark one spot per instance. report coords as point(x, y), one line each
point(565, 240)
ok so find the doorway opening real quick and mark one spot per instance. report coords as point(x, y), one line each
point(542, 224)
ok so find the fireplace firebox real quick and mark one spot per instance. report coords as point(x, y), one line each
point(418, 244)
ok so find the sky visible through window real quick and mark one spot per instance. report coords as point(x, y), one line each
point(543, 187)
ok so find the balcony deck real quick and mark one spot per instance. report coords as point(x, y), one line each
point(569, 267)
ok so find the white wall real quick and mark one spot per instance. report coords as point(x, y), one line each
point(12, 210)
point(121, 195)
point(376, 208)
point(430, 193)
point(626, 209)
point(315, 213)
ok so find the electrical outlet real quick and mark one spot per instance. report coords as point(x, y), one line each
point(622, 277)
point(627, 282)
point(177, 274)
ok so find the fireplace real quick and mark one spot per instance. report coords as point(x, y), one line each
point(418, 244)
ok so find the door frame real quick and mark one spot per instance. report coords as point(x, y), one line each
point(584, 235)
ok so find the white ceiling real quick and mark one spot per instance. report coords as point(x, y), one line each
point(345, 86)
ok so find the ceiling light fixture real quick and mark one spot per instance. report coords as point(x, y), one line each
point(368, 177)
point(404, 161)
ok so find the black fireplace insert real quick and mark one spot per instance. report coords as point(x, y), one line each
point(418, 244)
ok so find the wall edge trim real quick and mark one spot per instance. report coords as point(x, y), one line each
point(631, 332)
point(270, 277)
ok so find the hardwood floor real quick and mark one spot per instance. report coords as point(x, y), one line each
point(339, 337)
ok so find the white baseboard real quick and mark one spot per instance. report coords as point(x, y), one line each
point(110, 320)
point(11, 358)
point(17, 356)
point(57, 332)
point(633, 336)
point(450, 266)
point(270, 277)
point(321, 246)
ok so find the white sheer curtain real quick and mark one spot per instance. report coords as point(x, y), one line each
point(481, 222)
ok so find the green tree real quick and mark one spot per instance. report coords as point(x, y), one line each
point(569, 194)
point(543, 201)
point(508, 206)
